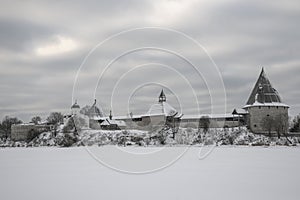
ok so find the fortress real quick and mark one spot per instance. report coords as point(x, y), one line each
point(264, 113)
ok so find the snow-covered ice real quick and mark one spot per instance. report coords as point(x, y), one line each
point(227, 173)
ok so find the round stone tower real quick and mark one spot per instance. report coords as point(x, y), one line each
point(267, 113)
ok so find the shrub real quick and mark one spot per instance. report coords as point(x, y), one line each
point(32, 134)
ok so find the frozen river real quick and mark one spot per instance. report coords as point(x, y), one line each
point(75, 173)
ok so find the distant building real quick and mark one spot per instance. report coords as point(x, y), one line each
point(81, 120)
point(267, 114)
point(25, 131)
point(93, 117)
point(159, 115)
point(112, 124)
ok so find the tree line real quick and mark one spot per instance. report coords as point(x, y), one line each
point(295, 124)
point(279, 124)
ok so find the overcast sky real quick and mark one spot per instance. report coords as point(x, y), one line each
point(43, 44)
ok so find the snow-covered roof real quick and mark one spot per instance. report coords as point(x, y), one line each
point(98, 118)
point(240, 111)
point(25, 124)
point(108, 121)
point(128, 117)
point(267, 104)
point(162, 108)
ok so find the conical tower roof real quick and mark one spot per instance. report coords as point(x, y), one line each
point(263, 92)
point(162, 97)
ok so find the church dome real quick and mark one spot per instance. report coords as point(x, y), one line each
point(263, 93)
point(75, 105)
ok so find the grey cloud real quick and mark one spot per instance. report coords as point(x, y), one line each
point(241, 36)
point(19, 35)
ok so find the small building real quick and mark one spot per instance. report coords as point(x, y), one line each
point(242, 116)
point(112, 124)
point(21, 132)
point(162, 108)
point(267, 114)
point(159, 115)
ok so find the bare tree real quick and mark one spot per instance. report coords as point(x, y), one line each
point(295, 127)
point(36, 120)
point(74, 124)
point(6, 124)
point(204, 123)
point(70, 126)
point(55, 118)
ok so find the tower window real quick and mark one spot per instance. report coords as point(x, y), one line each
point(255, 125)
point(259, 107)
point(269, 107)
